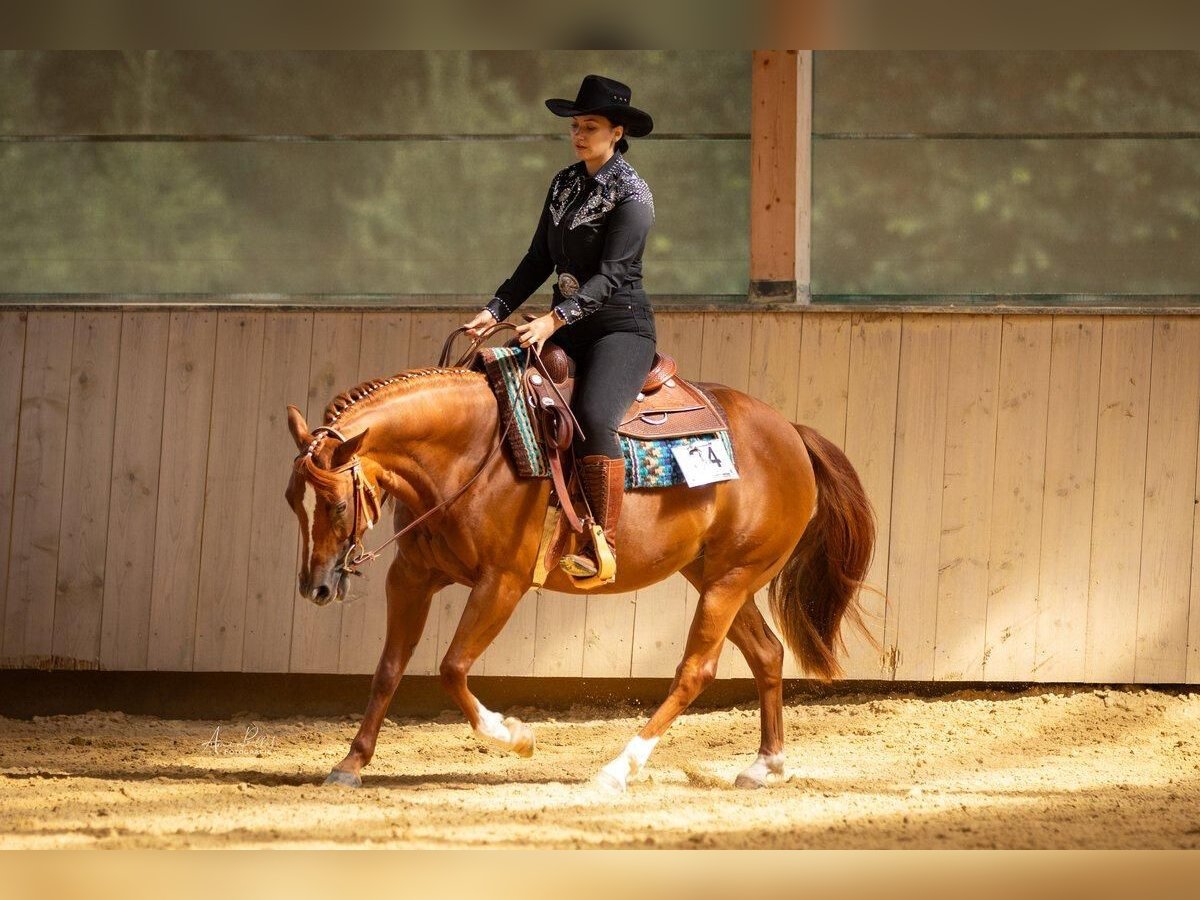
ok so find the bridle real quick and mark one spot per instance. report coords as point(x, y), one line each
point(367, 501)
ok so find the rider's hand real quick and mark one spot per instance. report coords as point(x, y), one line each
point(537, 331)
point(482, 320)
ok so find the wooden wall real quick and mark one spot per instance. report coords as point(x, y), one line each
point(1035, 479)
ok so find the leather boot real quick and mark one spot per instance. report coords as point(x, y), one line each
point(603, 481)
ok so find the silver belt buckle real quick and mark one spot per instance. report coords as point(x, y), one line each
point(568, 284)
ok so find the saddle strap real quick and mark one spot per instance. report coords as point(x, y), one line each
point(559, 480)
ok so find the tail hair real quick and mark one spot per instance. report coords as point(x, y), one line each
point(819, 584)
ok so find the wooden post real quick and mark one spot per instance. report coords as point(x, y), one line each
point(781, 175)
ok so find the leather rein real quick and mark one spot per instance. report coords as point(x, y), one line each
point(366, 500)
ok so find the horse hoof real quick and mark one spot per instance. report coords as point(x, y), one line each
point(608, 783)
point(523, 741)
point(748, 782)
point(338, 778)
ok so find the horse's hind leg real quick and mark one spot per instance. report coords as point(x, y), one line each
point(763, 651)
point(408, 596)
point(489, 607)
point(718, 605)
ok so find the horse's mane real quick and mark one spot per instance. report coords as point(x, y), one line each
point(366, 396)
point(379, 389)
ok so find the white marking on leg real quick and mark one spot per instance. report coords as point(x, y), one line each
point(615, 776)
point(491, 728)
point(760, 771)
point(508, 734)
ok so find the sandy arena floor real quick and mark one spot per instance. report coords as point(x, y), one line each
point(1085, 769)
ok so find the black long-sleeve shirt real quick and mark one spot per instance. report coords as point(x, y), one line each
point(592, 227)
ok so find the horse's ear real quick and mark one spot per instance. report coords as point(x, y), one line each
point(299, 428)
point(343, 453)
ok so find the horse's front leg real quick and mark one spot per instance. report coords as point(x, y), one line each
point(488, 608)
point(408, 595)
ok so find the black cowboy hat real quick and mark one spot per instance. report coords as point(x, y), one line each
point(600, 96)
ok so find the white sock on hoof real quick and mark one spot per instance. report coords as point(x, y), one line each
point(491, 729)
point(631, 761)
point(763, 766)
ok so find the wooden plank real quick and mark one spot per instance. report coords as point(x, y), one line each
point(383, 352)
point(12, 358)
point(91, 418)
point(608, 635)
point(1016, 529)
point(1164, 586)
point(870, 445)
point(427, 333)
point(823, 388)
point(511, 653)
point(133, 500)
point(659, 628)
point(1061, 634)
point(967, 497)
point(333, 367)
point(775, 379)
point(559, 640)
point(37, 497)
point(917, 498)
point(775, 341)
point(271, 587)
point(681, 335)
point(191, 347)
point(1123, 419)
point(825, 375)
point(1192, 674)
point(229, 492)
point(727, 349)
point(727, 345)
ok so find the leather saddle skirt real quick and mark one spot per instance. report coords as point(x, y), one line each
point(667, 406)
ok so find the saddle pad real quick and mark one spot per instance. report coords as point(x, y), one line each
point(648, 463)
point(503, 367)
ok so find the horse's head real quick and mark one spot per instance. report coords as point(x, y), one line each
point(335, 502)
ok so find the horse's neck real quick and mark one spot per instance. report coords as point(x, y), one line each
point(422, 441)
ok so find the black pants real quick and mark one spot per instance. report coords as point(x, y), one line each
point(613, 351)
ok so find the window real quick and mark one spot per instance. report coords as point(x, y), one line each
point(325, 174)
point(971, 173)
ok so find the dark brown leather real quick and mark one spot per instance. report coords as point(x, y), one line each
point(559, 366)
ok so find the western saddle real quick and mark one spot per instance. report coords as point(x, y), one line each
point(667, 406)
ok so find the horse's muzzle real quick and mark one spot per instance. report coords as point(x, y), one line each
point(333, 587)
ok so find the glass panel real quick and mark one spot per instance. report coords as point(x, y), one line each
point(332, 92)
point(1045, 216)
point(408, 217)
point(1030, 92)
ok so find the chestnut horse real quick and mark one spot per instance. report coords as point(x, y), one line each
point(797, 519)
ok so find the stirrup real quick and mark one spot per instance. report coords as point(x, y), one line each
point(581, 567)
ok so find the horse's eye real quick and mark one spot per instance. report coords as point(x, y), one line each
point(340, 507)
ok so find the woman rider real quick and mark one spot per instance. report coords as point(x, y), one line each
point(592, 230)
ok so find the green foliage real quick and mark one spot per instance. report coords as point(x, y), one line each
point(403, 216)
point(1009, 215)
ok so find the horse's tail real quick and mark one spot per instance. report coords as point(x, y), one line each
point(819, 583)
